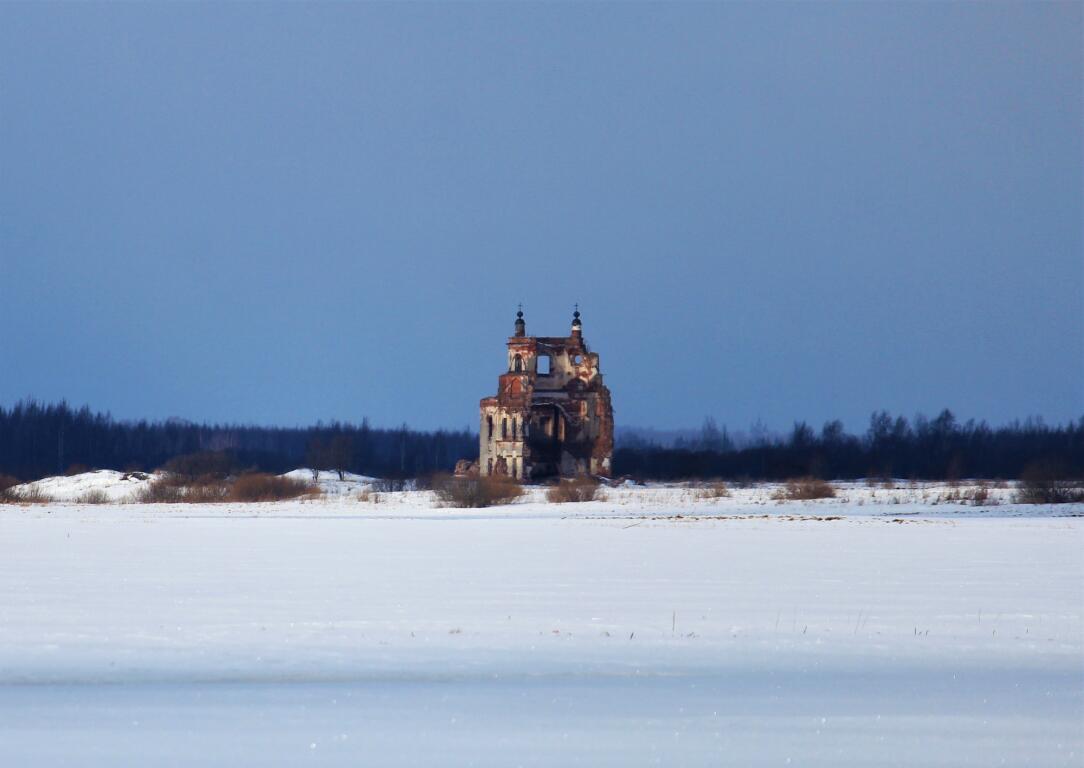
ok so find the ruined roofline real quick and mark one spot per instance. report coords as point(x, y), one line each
point(552, 342)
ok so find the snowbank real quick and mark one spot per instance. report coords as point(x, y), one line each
point(346, 633)
point(100, 484)
point(356, 495)
point(330, 484)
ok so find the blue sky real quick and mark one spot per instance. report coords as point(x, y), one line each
point(283, 213)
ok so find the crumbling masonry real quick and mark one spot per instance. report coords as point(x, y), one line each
point(552, 414)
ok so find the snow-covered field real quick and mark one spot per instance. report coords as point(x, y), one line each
point(653, 628)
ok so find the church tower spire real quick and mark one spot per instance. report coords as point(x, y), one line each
point(521, 326)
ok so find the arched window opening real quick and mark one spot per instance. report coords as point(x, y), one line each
point(489, 427)
point(517, 364)
point(515, 427)
point(543, 365)
point(504, 428)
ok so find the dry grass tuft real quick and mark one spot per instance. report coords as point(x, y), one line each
point(716, 489)
point(979, 496)
point(24, 496)
point(576, 490)
point(93, 496)
point(805, 489)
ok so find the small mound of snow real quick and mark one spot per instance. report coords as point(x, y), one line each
point(116, 486)
point(329, 483)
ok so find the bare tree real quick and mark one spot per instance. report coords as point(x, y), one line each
point(340, 454)
point(316, 457)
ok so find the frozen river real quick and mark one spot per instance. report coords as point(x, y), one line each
point(290, 634)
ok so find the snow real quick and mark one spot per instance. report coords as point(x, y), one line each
point(124, 486)
point(330, 484)
point(897, 497)
point(116, 486)
point(653, 628)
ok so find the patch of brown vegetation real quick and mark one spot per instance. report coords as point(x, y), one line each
point(979, 496)
point(260, 486)
point(710, 491)
point(24, 496)
point(578, 489)
point(804, 489)
point(175, 489)
point(475, 492)
point(208, 489)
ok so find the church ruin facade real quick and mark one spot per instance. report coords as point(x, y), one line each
point(552, 415)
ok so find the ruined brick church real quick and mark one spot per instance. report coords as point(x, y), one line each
point(551, 416)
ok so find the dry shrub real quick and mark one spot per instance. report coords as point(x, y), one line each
point(473, 492)
point(193, 478)
point(576, 490)
point(174, 489)
point(370, 497)
point(709, 491)
point(251, 486)
point(1045, 483)
point(260, 486)
point(804, 489)
point(93, 496)
point(952, 497)
point(979, 496)
point(1050, 492)
point(161, 490)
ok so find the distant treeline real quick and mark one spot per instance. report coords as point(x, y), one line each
point(38, 440)
point(937, 449)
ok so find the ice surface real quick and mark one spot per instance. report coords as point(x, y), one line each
point(744, 632)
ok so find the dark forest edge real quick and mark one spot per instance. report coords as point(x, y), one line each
point(38, 440)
